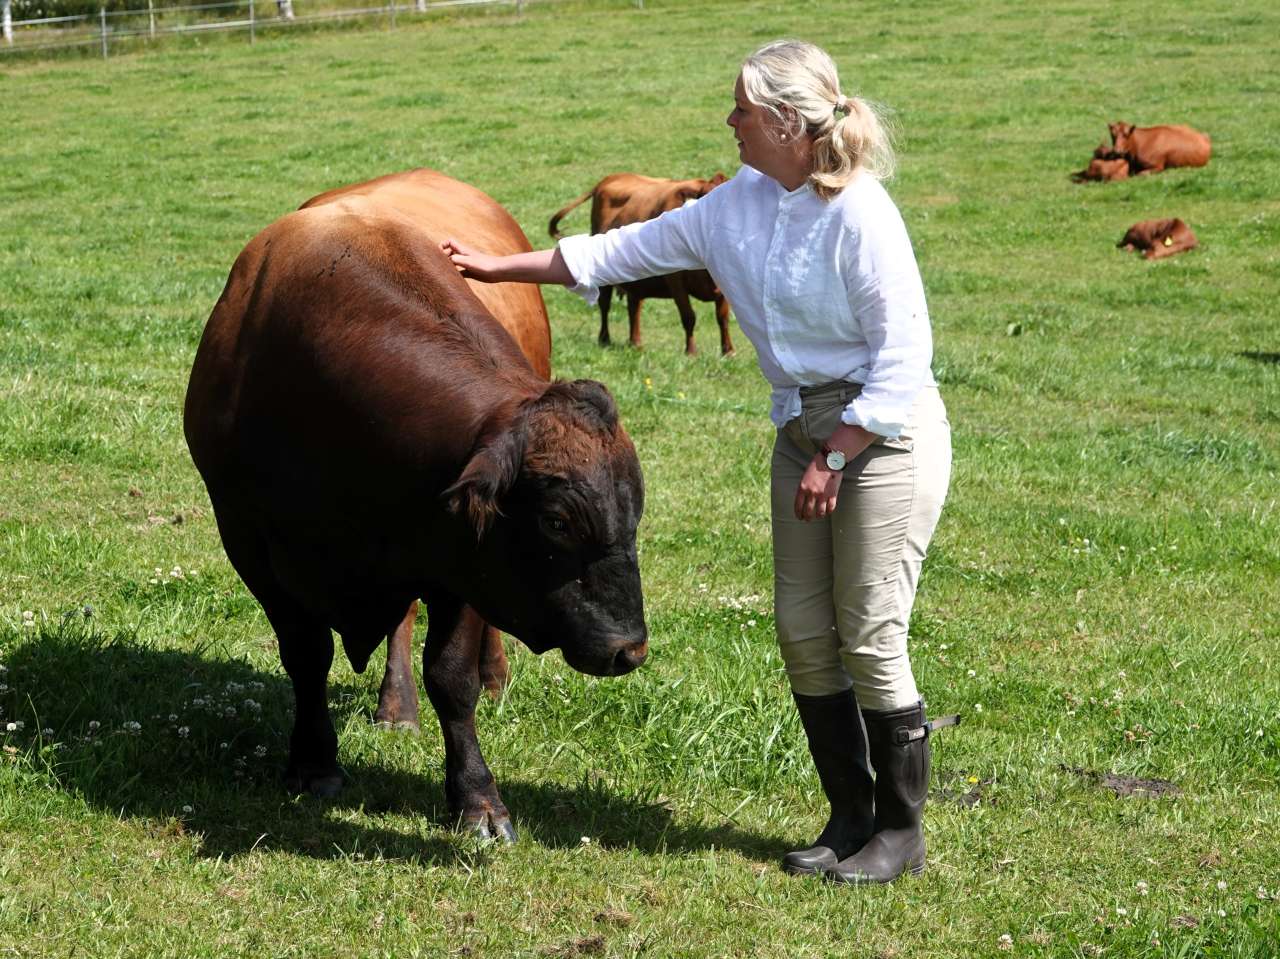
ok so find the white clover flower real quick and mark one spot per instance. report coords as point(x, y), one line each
point(47, 731)
point(3, 669)
point(229, 712)
point(1222, 913)
point(977, 707)
point(972, 673)
point(3, 688)
point(14, 727)
point(173, 717)
point(585, 840)
point(260, 751)
point(1222, 885)
point(1142, 888)
point(1005, 942)
point(184, 731)
point(1121, 911)
point(131, 727)
point(93, 725)
point(28, 615)
point(187, 809)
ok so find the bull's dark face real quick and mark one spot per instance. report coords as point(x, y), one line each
point(559, 548)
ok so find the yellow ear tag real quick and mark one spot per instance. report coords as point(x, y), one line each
point(1168, 241)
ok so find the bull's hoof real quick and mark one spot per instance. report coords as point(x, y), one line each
point(324, 785)
point(494, 828)
point(398, 726)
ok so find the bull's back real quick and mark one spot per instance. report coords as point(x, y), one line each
point(445, 208)
point(1179, 145)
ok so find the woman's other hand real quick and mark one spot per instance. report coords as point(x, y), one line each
point(819, 490)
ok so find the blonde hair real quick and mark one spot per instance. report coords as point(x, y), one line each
point(797, 82)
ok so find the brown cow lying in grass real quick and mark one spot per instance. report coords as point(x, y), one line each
point(623, 198)
point(1159, 238)
point(1103, 168)
point(1152, 149)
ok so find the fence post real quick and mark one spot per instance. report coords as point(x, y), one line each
point(420, 6)
point(519, 7)
point(285, 9)
point(391, 10)
point(6, 20)
point(103, 12)
point(151, 18)
point(253, 33)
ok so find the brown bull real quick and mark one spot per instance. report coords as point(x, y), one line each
point(1159, 238)
point(1152, 149)
point(434, 201)
point(623, 198)
point(370, 435)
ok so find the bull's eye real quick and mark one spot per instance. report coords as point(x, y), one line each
point(556, 524)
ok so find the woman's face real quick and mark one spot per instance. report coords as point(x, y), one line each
point(757, 131)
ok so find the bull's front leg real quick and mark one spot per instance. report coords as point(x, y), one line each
point(450, 671)
point(398, 697)
point(688, 316)
point(722, 318)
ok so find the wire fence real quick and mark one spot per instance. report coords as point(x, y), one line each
point(108, 27)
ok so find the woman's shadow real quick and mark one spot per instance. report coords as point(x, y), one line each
point(194, 742)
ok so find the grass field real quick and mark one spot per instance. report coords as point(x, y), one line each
point(1100, 602)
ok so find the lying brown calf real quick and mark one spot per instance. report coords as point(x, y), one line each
point(1152, 149)
point(1103, 169)
point(1159, 238)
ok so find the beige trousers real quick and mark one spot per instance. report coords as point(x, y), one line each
point(844, 585)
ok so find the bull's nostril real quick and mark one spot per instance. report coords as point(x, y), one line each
point(631, 657)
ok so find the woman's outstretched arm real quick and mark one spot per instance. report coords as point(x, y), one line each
point(541, 266)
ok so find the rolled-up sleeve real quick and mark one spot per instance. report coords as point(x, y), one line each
point(888, 303)
point(666, 244)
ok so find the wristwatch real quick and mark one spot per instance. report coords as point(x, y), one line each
point(836, 459)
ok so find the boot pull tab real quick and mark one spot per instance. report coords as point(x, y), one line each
point(904, 735)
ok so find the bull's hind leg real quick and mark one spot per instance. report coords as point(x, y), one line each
point(722, 318)
point(688, 316)
point(398, 697)
point(634, 302)
point(306, 650)
point(450, 671)
point(604, 302)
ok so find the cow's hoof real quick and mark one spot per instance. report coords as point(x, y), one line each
point(492, 828)
point(398, 726)
point(320, 785)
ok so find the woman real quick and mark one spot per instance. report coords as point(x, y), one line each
point(815, 259)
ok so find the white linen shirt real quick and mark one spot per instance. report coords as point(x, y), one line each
point(824, 290)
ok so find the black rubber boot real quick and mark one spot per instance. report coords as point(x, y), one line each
point(900, 755)
point(839, 750)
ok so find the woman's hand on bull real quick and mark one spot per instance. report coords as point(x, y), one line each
point(470, 262)
point(819, 490)
point(540, 266)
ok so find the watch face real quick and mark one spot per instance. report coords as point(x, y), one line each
point(835, 460)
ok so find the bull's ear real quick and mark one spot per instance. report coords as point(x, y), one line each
point(717, 180)
point(487, 478)
point(594, 399)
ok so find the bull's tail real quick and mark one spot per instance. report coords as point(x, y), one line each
point(554, 226)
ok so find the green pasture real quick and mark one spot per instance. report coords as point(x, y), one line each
point(1101, 602)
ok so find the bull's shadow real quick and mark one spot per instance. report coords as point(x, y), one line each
point(196, 742)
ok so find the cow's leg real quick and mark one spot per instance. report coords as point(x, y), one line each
point(398, 697)
point(688, 317)
point(722, 318)
point(306, 650)
point(450, 661)
point(634, 302)
point(606, 298)
point(494, 672)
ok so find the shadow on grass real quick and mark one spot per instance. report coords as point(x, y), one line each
point(195, 742)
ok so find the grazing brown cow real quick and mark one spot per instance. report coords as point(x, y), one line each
point(1152, 149)
point(1159, 238)
point(370, 435)
point(438, 203)
point(1103, 169)
point(623, 198)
